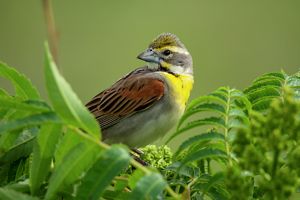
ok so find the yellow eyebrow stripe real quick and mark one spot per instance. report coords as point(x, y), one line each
point(174, 49)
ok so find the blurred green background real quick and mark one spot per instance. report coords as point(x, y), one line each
point(232, 42)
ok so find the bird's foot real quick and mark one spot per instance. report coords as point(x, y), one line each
point(136, 154)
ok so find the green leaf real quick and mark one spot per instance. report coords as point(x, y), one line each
point(120, 184)
point(31, 106)
point(221, 93)
point(74, 163)
point(269, 86)
point(199, 138)
point(236, 112)
point(203, 154)
point(205, 99)
point(3, 113)
point(237, 123)
point(263, 103)
point(149, 186)
point(21, 186)
point(109, 165)
point(22, 169)
point(218, 177)
point(23, 85)
point(7, 139)
point(135, 177)
point(272, 75)
point(8, 194)
point(213, 107)
point(65, 101)
point(69, 140)
point(43, 153)
point(16, 152)
point(257, 94)
point(294, 82)
point(32, 120)
point(27, 134)
point(115, 195)
point(210, 121)
point(239, 98)
point(218, 193)
point(185, 170)
point(266, 82)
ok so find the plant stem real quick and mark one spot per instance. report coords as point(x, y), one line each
point(51, 29)
point(226, 127)
point(208, 166)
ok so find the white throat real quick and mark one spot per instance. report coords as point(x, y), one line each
point(180, 70)
point(152, 65)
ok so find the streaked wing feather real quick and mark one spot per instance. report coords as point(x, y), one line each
point(129, 95)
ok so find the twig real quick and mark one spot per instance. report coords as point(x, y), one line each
point(51, 29)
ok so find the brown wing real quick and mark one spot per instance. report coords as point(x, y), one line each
point(129, 95)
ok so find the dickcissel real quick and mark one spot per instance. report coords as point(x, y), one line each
point(146, 103)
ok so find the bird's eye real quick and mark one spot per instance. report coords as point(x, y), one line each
point(167, 52)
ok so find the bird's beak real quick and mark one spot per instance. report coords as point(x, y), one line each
point(149, 55)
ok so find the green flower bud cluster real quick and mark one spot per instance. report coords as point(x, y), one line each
point(158, 157)
point(269, 151)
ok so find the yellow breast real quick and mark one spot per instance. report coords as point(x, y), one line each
point(180, 87)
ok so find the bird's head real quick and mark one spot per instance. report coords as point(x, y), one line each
point(168, 53)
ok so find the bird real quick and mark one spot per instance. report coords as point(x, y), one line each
point(146, 103)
